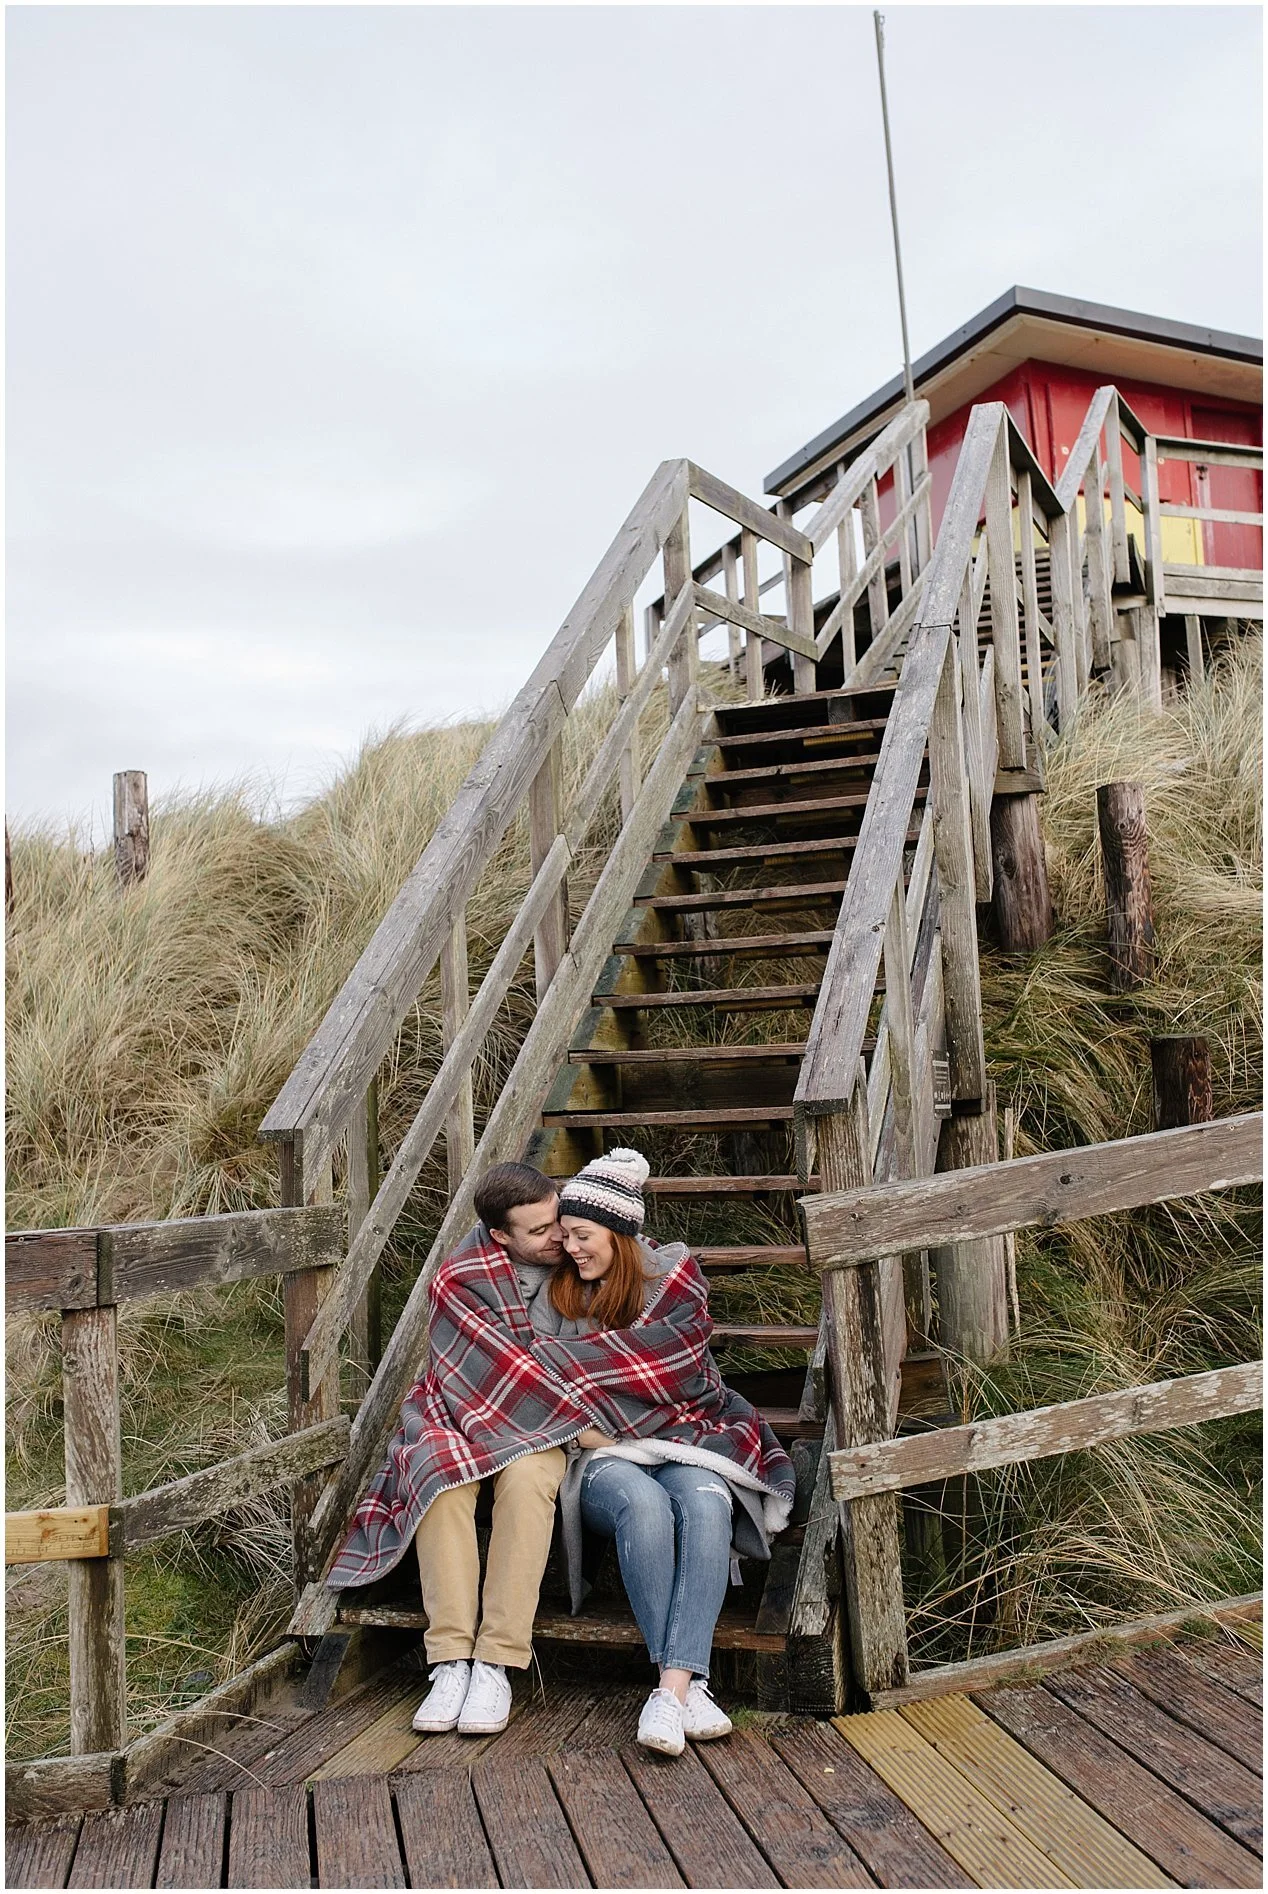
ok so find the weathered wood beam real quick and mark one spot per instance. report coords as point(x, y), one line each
point(63, 1785)
point(181, 1504)
point(762, 626)
point(94, 1460)
point(877, 460)
point(57, 1532)
point(851, 1227)
point(890, 1466)
point(733, 505)
point(131, 826)
point(1124, 833)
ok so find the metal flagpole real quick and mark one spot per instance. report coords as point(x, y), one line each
point(908, 387)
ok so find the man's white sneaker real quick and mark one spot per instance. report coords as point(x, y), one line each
point(441, 1707)
point(702, 1719)
point(488, 1706)
point(660, 1727)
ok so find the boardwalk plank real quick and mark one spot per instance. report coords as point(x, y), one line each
point(618, 1839)
point(228, 1761)
point(985, 1842)
point(702, 1832)
point(897, 1850)
point(355, 1832)
point(528, 1832)
point(444, 1841)
point(611, 1723)
point(380, 1748)
point(1193, 1851)
point(1186, 1693)
point(193, 1849)
point(118, 1847)
point(801, 1844)
point(268, 1838)
point(541, 1728)
point(1212, 1781)
point(39, 1854)
point(1079, 1841)
point(296, 1757)
point(1230, 1664)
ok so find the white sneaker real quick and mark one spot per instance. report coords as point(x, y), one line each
point(488, 1706)
point(661, 1725)
point(703, 1721)
point(439, 1710)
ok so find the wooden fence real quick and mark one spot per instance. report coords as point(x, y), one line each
point(847, 1231)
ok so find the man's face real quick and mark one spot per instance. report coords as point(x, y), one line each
point(532, 1232)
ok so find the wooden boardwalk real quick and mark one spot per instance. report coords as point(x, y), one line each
point(1144, 1772)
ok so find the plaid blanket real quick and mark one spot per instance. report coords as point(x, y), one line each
point(494, 1391)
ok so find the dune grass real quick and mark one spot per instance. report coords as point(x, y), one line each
point(148, 1034)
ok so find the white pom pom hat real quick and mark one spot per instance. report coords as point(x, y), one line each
point(609, 1191)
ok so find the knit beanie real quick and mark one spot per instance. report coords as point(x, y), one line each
point(609, 1191)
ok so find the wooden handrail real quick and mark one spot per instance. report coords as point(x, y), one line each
point(846, 1228)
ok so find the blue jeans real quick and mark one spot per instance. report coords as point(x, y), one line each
point(672, 1526)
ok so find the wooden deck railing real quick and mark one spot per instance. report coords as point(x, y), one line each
point(847, 1230)
point(85, 1275)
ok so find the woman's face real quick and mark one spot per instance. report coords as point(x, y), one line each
point(590, 1246)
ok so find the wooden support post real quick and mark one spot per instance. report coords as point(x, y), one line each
point(8, 872)
point(1010, 716)
point(1060, 533)
point(731, 584)
point(901, 1028)
point(131, 826)
point(953, 851)
point(1193, 647)
point(1030, 609)
point(972, 1278)
point(550, 941)
point(1151, 644)
point(1182, 1081)
point(1100, 605)
point(980, 786)
point(861, 1407)
point(94, 1477)
point(303, 1291)
point(1021, 900)
point(801, 618)
point(455, 999)
point(847, 566)
point(753, 677)
point(365, 1330)
point(631, 766)
point(1120, 812)
point(684, 664)
point(877, 595)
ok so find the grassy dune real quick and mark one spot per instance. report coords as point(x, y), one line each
point(147, 1036)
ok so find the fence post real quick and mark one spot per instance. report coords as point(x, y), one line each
point(1010, 716)
point(365, 1330)
point(754, 681)
point(131, 826)
point(94, 1477)
point(1021, 900)
point(550, 942)
point(632, 755)
point(972, 1277)
point(1182, 1081)
point(1120, 813)
point(801, 618)
point(303, 1291)
point(854, 1321)
point(1155, 578)
point(455, 1001)
point(953, 852)
point(684, 662)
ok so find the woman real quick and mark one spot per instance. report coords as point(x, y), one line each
point(685, 1475)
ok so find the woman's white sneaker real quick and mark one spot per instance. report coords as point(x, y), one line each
point(661, 1725)
point(441, 1707)
point(702, 1719)
point(488, 1706)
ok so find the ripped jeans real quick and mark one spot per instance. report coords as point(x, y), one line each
point(672, 1526)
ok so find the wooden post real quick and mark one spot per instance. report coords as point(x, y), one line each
point(1182, 1081)
point(455, 999)
point(1193, 646)
point(131, 826)
point(1120, 811)
point(754, 680)
point(303, 1291)
point(1155, 579)
point(953, 851)
point(1021, 900)
point(801, 618)
point(631, 768)
point(550, 942)
point(1010, 716)
point(731, 583)
point(1098, 568)
point(854, 1320)
point(94, 1477)
point(877, 594)
point(1060, 532)
point(1030, 611)
point(972, 1278)
point(684, 663)
point(8, 872)
point(847, 566)
point(365, 1330)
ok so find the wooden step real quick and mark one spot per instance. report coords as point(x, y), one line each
point(768, 851)
point(782, 1049)
point(772, 707)
point(759, 1184)
point(765, 1335)
point(770, 811)
point(730, 945)
point(736, 998)
point(779, 772)
point(733, 1632)
point(720, 1116)
point(786, 1423)
point(816, 732)
point(706, 898)
point(751, 1256)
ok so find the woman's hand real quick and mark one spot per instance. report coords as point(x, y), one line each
point(591, 1437)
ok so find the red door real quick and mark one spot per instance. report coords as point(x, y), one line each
point(1229, 488)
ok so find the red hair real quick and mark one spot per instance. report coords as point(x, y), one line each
point(618, 1296)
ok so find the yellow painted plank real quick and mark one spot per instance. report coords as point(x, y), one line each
point(1082, 1843)
point(382, 1745)
point(57, 1532)
point(970, 1827)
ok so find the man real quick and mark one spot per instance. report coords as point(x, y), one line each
point(484, 1409)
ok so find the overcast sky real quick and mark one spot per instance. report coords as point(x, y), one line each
point(340, 340)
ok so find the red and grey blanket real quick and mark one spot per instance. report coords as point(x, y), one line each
point(495, 1390)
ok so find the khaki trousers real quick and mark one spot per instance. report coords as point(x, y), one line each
point(449, 1563)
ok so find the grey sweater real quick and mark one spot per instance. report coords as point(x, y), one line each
point(749, 1537)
